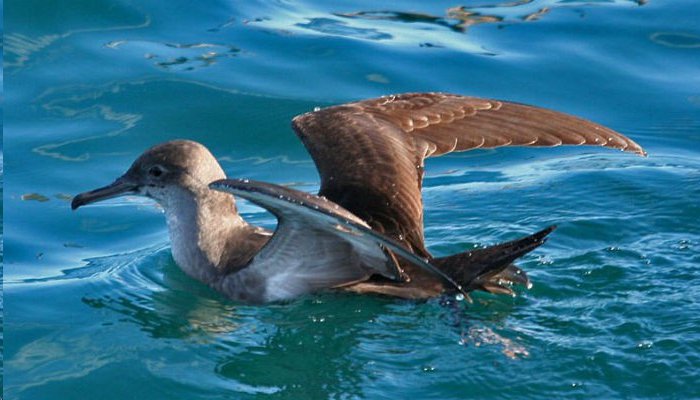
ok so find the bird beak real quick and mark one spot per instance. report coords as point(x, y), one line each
point(120, 187)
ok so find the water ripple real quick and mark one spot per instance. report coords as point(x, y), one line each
point(177, 56)
point(340, 28)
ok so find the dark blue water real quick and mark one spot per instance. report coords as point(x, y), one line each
point(94, 306)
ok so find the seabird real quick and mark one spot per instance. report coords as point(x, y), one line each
point(363, 232)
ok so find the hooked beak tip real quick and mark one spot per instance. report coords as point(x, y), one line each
point(76, 202)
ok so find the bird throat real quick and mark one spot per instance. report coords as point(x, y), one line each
point(200, 226)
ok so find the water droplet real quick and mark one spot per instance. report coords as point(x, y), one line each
point(317, 108)
point(459, 297)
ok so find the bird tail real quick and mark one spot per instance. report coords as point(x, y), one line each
point(490, 269)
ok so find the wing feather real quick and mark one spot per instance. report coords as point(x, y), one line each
point(317, 244)
point(370, 154)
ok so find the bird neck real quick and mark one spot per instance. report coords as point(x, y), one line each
point(201, 226)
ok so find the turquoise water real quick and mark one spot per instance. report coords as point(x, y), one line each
point(94, 306)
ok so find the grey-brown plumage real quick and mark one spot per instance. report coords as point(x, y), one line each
point(364, 232)
point(370, 154)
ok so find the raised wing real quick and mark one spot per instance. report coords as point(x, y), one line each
point(370, 153)
point(317, 244)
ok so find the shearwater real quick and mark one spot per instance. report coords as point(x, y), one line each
point(363, 232)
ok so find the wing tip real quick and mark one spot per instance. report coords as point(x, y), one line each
point(632, 147)
point(637, 149)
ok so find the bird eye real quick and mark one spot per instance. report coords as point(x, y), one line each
point(155, 171)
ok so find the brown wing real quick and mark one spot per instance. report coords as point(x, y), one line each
point(370, 153)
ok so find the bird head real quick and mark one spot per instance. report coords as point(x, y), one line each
point(162, 173)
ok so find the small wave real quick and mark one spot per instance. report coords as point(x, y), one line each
point(681, 40)
point(334, 27)
point(102, 267)
point(19, 48)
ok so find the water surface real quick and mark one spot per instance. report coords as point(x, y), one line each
point(94, 305)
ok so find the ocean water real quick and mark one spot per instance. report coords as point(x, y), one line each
point(94, 306)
